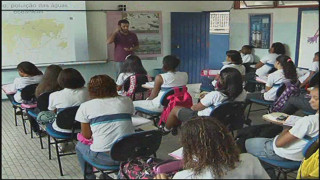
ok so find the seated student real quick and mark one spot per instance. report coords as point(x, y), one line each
point(209, 152)
point(246, 55)
point(234, 61)
point(230, 89)
point(97, 122)
point(285, 71)
point(267, 62)
point(73, 94)
point(314, 68)
point(29, 74)
point(171, 78)
point(132, 65)
point(48, 83)
point(288, 145)
point(300, 102)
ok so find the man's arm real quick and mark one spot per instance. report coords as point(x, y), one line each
point(285, 138)
point(259, 65)
point(112, 37)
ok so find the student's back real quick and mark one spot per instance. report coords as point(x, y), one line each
point(249, 167)
point(73, 93)
point(30, 74)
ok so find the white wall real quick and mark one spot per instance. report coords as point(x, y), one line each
point(97, 23)
point(284, 25)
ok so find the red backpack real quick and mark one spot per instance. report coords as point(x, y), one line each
point(179, 98)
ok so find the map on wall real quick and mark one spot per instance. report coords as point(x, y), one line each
point(32, 39)
point(143, 22)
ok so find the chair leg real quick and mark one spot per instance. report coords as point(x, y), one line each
point(41, 144)
point(15, 115)
point(85, 170)
point(249, 110)
point(58, 156)
point(24, 124)
point(49, 146)
point(31, 131)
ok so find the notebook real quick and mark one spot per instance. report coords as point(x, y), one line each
point(177, 154)
point(7, 89)
point(262, 79)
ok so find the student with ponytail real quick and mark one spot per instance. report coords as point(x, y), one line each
point(286, 71)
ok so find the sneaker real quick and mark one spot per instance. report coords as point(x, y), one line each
point(62, 147)
point(174, 131)
point(164, 132)
point(41, 133)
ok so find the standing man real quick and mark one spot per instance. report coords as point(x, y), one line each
point(125, 43)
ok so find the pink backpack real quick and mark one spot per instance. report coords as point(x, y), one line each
point(179, 98)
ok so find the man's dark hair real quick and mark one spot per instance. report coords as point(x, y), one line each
point(278, 48)
point(123, 21)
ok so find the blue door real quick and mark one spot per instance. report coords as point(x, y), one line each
point(190, 42)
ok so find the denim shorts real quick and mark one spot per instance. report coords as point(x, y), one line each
point(186, 114)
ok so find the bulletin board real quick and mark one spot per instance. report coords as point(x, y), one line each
point(148, 27)
point(260, 30)
point(307, 37)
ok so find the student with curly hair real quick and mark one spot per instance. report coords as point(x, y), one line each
point(267, 62)
point(104, 118)
point(230, 89)
point(209, 152)
point(286, 71)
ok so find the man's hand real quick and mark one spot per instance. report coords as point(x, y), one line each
point(128, 49)
point(161, 176)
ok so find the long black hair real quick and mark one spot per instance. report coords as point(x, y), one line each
point(230, 83)
point(133, 64)
point(278, 48)
point(29, 68)
point(289, 69)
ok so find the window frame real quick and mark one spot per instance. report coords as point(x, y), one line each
point(275, 5)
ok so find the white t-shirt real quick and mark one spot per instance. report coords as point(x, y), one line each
point(247, 58)
point(270, 59)
point(249, 167)
point(121, 78)
point(215, 98)
point(239, 67)
point(109, 118)
point(308, 125)
point(315, 66)
point(171, 79)
point(274, 80)
point(21, 82)
point(67, 98)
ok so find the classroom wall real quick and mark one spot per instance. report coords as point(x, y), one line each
point(96, 22)
point(284, 29)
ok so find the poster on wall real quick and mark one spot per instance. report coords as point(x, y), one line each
point(148, 27)
point(309, 37)
point(260, 30)
point(219, 22)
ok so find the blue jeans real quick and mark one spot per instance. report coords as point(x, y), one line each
point(98, 157)
point(262, 147)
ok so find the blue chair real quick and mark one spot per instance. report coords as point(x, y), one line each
point(231, 114)
point(42, 105)
point(288, 166)
point(130, 146)
point(155, 116)
point(27, 94)
point(267, 104)
point(67, 115)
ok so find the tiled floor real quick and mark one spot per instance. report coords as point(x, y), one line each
point(22, 157)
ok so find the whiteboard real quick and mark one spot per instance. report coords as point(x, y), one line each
point(43, 32)
point(309, 37)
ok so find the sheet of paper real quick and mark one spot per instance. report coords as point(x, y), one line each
point(274, 116)
point(7, 89)
point(138, 120)
point(291, 120)
point(262, 79)
point(213, 72)
point(177, 154)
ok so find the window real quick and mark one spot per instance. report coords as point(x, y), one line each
point(273, 4)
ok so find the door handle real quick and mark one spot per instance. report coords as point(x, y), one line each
point(177, 46)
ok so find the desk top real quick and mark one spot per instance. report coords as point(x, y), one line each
point(148, 85)
point(288, 121)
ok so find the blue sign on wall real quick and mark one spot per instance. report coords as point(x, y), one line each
point(260, 26)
